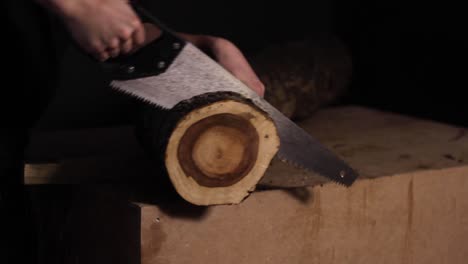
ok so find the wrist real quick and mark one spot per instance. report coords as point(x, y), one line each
point(204, 42)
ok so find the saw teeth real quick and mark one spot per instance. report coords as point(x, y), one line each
point(298, 166)
point(135, 96)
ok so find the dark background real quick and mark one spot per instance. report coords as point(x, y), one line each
point(407, 58)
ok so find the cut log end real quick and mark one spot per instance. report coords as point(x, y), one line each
point(219, 150)
point(217, 153)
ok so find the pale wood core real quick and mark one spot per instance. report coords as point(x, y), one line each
point(219, 150)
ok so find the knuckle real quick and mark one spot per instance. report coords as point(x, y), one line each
point(114, 43)
point(136, 23)
point(125, 33)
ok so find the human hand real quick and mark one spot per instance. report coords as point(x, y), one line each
point(230, 57)
point(103, 28)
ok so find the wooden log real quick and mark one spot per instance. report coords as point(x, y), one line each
point(302, 76)
point(215, 147)
point(375, 143)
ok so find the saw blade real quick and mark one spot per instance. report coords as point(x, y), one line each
point(282, 175)
point(193, 73)
point(300, 149)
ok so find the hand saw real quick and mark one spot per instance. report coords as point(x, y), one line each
point(170, 70)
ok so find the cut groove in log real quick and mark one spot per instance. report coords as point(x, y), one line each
point(217, 153)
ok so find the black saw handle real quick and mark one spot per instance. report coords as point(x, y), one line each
point(150, 60)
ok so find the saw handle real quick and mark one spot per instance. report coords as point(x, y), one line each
point(150, 60)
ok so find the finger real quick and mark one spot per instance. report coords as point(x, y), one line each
point(114, 43)
point(249, 78)
point(131, 26)
point(103, 56)
point(139, 35)
point(95, 47)
point(113, 47)
point(113, 53)
point(258, 87)
point(124, 32)
point(126, 46)
point(151, 32)
point(252, 82)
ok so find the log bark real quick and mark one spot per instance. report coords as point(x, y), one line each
point(302, 76)
point(215, 147)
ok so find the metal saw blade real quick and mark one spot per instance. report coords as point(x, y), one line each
point(300, 149)
point(193, 73)
point(282, 175)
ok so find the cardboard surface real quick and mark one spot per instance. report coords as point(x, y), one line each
point(409, 218)
point(409, 206)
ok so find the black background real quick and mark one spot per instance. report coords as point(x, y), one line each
point(409, 56)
